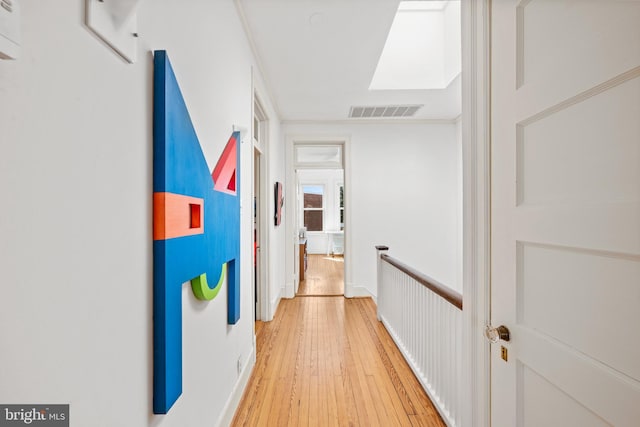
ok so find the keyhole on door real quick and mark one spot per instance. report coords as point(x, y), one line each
point(503, 353)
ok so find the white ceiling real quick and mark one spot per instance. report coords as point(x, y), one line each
point(319, 56)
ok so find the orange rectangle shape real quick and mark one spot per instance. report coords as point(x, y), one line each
point(175, 215)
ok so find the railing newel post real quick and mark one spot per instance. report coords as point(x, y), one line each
point(379, 283)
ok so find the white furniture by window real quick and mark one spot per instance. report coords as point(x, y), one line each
point(335, 242)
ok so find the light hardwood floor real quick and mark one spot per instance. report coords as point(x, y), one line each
point(325, 276)
point(329, 362)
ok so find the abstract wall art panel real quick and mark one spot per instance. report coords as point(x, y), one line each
point(279, 202)
point(196, 228)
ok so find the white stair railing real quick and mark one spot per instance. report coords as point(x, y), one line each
point(424, 318)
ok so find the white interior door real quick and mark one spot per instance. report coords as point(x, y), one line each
point(257, 240)
point(566, 212)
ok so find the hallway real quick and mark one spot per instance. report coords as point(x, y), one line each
point(325, 276)
point(329, 362)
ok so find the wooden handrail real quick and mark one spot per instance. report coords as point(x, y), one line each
point(433, 285)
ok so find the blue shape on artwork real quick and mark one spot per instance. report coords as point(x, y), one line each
point(179, 167)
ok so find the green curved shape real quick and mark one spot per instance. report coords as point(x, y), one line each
point(201, 288)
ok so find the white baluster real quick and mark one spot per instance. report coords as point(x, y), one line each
point(428, 330)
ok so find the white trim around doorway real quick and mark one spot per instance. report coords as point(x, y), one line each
point(476, 209)
point(265, 309)
point(291, 268)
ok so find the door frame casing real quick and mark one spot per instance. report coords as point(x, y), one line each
point(291, 267)
point(476, 137)
point(264, 295)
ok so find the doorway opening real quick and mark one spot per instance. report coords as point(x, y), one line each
point(321, 221)
point(320, 218)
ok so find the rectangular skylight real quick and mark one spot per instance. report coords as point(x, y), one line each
point(423, 48)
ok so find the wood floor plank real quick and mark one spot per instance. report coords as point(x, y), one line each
point(325, 276)
point(305, 376)
point(289, 410)
point(362, 365)
point(329, 362)
point(405, 383)
point(273, 371)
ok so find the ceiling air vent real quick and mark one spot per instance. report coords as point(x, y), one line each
point(384, 111)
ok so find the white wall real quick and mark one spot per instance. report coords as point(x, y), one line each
point(459, 206)
point(401, 183)
point(276, 172)
point(329, 179)
point(75, 228)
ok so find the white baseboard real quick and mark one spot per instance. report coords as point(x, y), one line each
point(273, 307)
point(289, 290)
point(231, 406)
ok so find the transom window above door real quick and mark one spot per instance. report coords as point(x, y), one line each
point(315, 156)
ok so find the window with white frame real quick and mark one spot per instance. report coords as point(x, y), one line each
point(313, 207)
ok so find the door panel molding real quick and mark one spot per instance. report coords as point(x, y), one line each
point(565, 211)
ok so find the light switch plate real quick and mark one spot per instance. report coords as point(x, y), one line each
point(9, 29)
point(115, 23)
